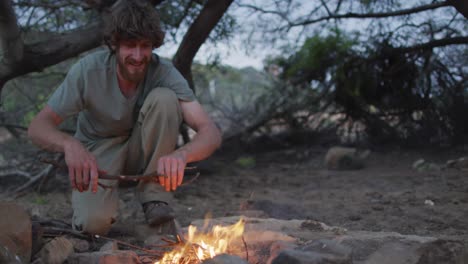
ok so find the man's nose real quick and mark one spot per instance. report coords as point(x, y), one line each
point(137, 54)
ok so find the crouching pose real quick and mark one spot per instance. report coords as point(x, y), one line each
point(130, 105)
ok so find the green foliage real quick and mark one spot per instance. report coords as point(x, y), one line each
point(233, 89)
point(24, 97)
point(40, 200)
point(315, 58)
point(246, 162)
point(387, 82)
point(52, 16)
point(317, 55)
point(179, 14)
point(385, 89)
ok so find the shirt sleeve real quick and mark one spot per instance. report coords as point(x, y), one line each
point(67, 100)
point(175, 81)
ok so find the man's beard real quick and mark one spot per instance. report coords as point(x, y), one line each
point(133, 76)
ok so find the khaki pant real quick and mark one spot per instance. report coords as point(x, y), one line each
point(155, 134)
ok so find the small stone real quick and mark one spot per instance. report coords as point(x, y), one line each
point(15, 232)
point(56, 251)
point(354, 217)
point(109, 246)
point(312, 225)
point(377, 208)
point(418, 164)
point(79, 245)
point(343, 158)
point(429, 202)
point(277, 247)
point(225, 259)
point(105, 257)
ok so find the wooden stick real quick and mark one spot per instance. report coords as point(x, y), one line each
point(246, 249)
point(57, 231)
point(149, 251)
point(105, 176)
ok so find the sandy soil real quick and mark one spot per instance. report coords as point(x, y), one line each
point(387, 195)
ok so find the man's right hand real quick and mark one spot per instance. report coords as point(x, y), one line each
point(82, 166)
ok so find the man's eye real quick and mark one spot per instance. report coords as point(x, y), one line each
point(129, 44)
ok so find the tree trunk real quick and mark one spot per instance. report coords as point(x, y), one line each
point(20, 58)
point(461, 6)
point(197, 34)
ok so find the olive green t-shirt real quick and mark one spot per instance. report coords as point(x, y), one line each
point(91, 90)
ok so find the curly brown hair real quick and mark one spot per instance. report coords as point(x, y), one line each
point(132, 19)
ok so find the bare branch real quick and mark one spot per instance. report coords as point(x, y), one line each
point(265, 11)
point(197, 35)
point(33, 180)
point(401, 12)
point(461, 7)
point(10, 39)
point(15, 172)
point(51, 5)
point(55, 49)
point(326, 7)
point(435, 44)
point(20, 59)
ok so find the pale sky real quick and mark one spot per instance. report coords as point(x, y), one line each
point(231, 55)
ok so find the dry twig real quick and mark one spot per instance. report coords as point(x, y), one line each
point(105, 176)
point(33, 180)
point(152, 252)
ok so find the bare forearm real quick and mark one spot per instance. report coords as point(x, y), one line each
point(47, 136)
point(205, 142)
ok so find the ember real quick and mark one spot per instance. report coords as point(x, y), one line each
point(200, 246)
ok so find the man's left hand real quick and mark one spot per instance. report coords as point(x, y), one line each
point(172, 166)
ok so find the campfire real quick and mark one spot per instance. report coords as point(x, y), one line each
point(201, 245)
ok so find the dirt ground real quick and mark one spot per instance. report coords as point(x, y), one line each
point(292, 182)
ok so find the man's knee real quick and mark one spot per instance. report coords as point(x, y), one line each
point(93, 224)
point(162, 96)
point(162, 101)
point(94, 213)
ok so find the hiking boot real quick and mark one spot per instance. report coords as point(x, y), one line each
point(158, 212)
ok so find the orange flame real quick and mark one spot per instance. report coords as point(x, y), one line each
point(200, 246)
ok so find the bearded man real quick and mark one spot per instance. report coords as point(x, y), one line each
point(130, 105)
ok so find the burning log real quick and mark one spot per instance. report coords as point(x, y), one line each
point(201, 246)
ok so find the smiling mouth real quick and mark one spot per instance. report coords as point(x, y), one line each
point(137, 64)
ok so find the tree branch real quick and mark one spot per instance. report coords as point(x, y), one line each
point(51, 51)
point(434, 44)
point(265, 11)
point(11, 43)
point(197, 34)
point(461, 7)
point(374, 15)
point(51, 5)
point(19, 59)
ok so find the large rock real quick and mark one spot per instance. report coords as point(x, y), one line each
point(316, 252)
point(460, 163)
point(342, 158)
point(105, 257)
point(15, 234)
point(56, 251)
point(225, 259)
point(308, 242)
point(274, 209)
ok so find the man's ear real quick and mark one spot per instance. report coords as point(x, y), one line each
point(114, 47)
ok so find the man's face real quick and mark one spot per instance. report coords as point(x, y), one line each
point(133, 57)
